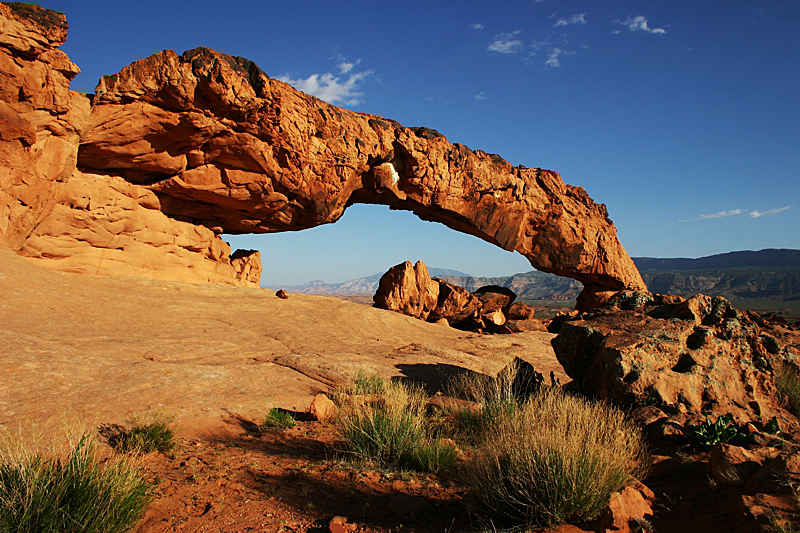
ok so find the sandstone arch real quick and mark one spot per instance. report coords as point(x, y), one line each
point(177, 149)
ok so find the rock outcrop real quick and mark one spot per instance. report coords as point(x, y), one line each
point(209, 140)
point(40, 118)
point(695, 356)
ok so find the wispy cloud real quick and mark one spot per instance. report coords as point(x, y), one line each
point(330, 87)
point(734, 212)
point(719, 214)
point(555, 53)
point(345, 66)
point(579, 18)
point(506, 43)
point(756, 214)
point(480, 96)
point(639, 23)
point(478, 26)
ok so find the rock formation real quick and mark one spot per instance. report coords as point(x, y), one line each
point(692, 356)
point(410, 290)
point(178, 149)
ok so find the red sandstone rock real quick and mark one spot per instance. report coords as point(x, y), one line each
point(282, 294)
point(40, 119)
point(339, 524)
point(697, 356)
point(407, 289)
point(519, 311)
point(631, 504)
point(209, 140)
point(323, 409)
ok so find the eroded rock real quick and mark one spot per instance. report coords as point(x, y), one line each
point(695, 356)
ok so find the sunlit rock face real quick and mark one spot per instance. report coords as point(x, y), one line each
point(209, 140)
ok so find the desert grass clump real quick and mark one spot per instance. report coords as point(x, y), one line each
point(386, 422)
point(277, 419)
point(787, 381)
point(151, 432)
point(78, 493)
point(556, 459)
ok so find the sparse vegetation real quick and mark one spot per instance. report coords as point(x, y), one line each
point(724, 429)
point(77, 494)
point(152, 432)
point(277, 419)
point(386, 422)
point(787, 380)
point(556, 458)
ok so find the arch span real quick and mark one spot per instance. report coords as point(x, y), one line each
point(204, 143)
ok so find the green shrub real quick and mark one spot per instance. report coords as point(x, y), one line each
point(557, 458)
point(724, 429)
point(277, 419)
point(150, 433)
point(39, 494)
point(787, 381)
point(387, 423)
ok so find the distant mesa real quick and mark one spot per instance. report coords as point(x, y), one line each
point(143, 177)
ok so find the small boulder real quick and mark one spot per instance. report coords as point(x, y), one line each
point(519, 311)
point(323, 409)
point(282, 294)
point(626, 509)
point(339, 524)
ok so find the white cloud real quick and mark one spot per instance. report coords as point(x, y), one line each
point(579, 18)
point(756, 214)
point(331, 88)
point(480, 96)
point(719, 214)
point(478, 26)
point(555, 53)
point(639, 23)
point(505, 43)
point(345, 66)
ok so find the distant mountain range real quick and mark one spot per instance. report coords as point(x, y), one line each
point(771, 274)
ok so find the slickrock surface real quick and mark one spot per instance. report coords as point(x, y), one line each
point(178, 149)
point(105, 347)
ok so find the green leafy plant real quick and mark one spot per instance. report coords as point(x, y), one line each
point(724, 429)
point(152, 432)
point(77, 494)
point(278, 419)
point(557, 458)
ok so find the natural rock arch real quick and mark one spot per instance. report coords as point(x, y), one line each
point(178, 149)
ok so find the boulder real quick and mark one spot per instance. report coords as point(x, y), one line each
point(224, 148)
point(519, 311)
point(699, 355)
point(323, 409)
point(458, 306)
point(408, 290)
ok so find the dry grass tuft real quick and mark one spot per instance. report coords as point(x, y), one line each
point(555, 459)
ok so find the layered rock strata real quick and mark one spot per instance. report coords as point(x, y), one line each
point(209, 140)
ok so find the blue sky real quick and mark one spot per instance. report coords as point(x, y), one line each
point(683, 117)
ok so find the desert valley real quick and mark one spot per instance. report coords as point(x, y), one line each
point(598, 393)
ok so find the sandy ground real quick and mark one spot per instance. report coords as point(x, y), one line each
point(104, 348)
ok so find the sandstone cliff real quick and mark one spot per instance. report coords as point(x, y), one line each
point(178, 149)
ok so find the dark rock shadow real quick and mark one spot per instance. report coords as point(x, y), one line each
point(432, 376)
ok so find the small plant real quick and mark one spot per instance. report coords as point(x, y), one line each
point(150, 433)
point(787, 381)
point(77, 494)
point(278, 419)
point(724, 429)
point(557, 458)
